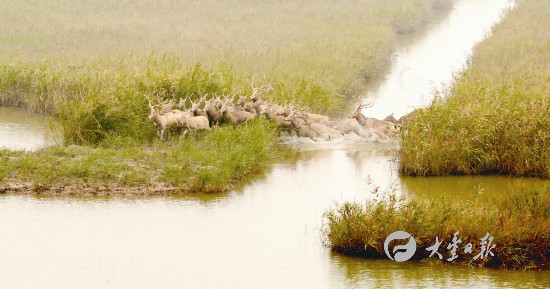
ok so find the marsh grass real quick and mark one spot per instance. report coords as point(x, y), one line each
point(495, 118)
point(201, 163)
point(313, 52)
point(519, 224)
point(90, 64)
point(93, 105)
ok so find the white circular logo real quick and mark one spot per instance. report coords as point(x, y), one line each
point(409, 248)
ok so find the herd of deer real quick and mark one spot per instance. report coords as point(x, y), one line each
point(205, 113)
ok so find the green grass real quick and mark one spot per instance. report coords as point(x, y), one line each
point(519, 224)
point(201, 163)
point(495, 118)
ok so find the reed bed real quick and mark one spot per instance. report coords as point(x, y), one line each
point(495, 117)
point(519, 225)
point(315, 53)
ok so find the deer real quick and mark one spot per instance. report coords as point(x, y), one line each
point(165, 121)
point(391, 118)
point(320, 127)
point(255, 108)
point(282, 124)
point(410, 116)
point(233, 115)
point(166, 107)
point(194, 123)
point(241, 101)
point(195, 107)
point(250, 108)
point(349, 125)
point(212, 109)
point(384, 127)
point(314, 117)
point(255, 97)
point(304, 129)
point(285, 111)
point(182, 103)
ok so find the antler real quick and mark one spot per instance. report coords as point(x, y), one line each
point(257, 91)
point(361, 105)
point(232, 98)
point(356, 100)
point(149, 99)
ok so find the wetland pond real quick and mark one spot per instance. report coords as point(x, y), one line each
point(265, 235)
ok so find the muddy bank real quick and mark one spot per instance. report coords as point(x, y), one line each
point(75, 188)
point(84, 189)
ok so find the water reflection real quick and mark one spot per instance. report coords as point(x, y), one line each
point(466, 187)
point(360, 273)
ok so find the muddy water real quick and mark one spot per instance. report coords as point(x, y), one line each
point(263, 236)
point(22, 130)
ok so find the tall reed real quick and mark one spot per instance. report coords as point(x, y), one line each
point(494, 119)
point(519, 225)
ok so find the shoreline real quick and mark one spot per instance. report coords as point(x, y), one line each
point(84, 189)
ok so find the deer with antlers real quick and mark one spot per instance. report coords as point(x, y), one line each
point(385, 128)
point(165, 122)
point(282, 124)
point(234, 116)
point(256, 92)
point(195, 107)
point(212, 108)
point(182, 104)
